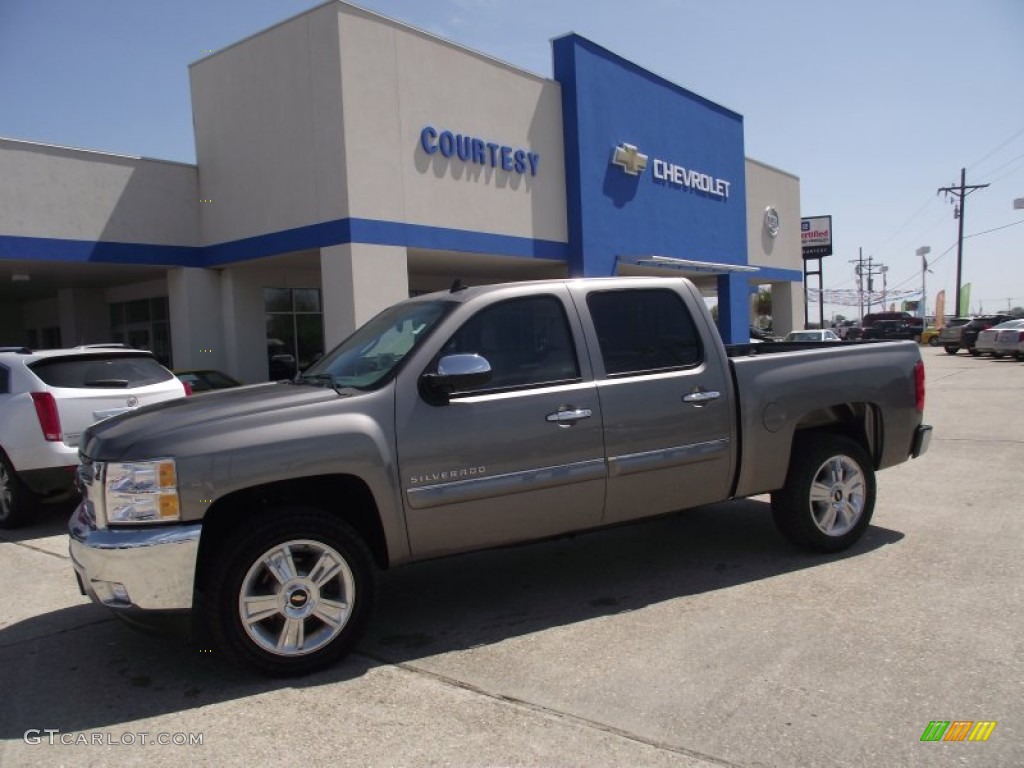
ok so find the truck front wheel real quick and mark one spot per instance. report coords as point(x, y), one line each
point(829, 496)
point(292, 593)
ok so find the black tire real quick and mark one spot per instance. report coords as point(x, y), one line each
point(825, 516)
point(274, 559)
point(16, 500)
point(951, 350)
point(933, 341)
point(997, 355)
point(973, 352)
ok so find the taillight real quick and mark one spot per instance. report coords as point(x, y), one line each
point(919, 386)
point(1020, 336)
point(188, 389)
point(49, 419)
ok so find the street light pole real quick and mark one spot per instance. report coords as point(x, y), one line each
point(923, 251)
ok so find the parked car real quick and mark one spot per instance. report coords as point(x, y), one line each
point(930, 336)
point(812, 335)
point(48, 398)
point(843, 328)
point(951, 333)
point(1010, 341)
point(976, 326)
point(986, 342)
point(207, 380)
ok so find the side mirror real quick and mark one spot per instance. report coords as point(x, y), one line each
point(454, 373)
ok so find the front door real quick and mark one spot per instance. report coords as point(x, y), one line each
point(517, 458)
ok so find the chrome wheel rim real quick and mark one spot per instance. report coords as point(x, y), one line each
point(296, 598)
point(838, 496)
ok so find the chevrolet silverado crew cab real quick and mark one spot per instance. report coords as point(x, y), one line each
point(468, 419)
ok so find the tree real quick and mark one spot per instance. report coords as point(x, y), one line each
point(763, 303)
point(1016, 312)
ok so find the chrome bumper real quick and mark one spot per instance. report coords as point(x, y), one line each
point(147, 569)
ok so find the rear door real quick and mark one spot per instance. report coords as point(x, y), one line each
point(668, 420)
point(90, 387)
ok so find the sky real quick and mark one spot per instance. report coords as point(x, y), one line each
point(873, 104)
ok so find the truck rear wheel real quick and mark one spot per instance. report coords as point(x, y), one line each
point(951, 350)
point(292, 593)
point(829, 496)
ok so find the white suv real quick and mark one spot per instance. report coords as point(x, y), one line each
point(48, 398)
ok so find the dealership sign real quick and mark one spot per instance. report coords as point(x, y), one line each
point(634, 163)
point(816, 236)
point(479, 151)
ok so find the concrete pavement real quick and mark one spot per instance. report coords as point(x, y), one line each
point(701, 639)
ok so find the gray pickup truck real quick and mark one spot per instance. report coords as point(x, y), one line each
point(468, 419)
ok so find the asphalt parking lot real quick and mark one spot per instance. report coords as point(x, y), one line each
point(701, 639)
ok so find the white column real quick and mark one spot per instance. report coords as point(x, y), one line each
point(84, 317)
point(197, 327)
point(787, 307)
point(358, 281)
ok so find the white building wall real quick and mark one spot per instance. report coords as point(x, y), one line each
point(397, 80)
point(267, 117)
point(56, 192)
point(767, 186)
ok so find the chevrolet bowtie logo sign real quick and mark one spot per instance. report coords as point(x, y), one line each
point(629, 159)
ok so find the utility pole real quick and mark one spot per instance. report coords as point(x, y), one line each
point(960, 193)
point(859, 270)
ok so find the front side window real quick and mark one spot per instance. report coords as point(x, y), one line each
point(370, 356)
point(527, 342)
point(643, 331)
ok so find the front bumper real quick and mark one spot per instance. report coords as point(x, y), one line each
point(922, 439)
point(137, 569)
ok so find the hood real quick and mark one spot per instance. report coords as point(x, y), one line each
point(175, 420)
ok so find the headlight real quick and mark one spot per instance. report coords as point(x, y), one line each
point(142, 492)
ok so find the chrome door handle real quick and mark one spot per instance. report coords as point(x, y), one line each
point(568, 416)
point(701, 396)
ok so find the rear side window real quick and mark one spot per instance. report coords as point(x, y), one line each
point(101, 372)
point(642, 331)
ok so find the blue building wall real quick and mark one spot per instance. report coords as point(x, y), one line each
point(608, 101)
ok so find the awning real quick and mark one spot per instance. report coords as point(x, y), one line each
point(685, 265)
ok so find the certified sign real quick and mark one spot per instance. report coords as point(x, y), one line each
point(816, 236)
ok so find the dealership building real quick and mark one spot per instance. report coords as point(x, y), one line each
point(346, 161)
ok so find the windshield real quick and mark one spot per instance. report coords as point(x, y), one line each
point(371, 354)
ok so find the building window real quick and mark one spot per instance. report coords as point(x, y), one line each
point(143, 324)
point(295, 330)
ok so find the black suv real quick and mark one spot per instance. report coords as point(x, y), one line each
point(888, 325)
point(891, 329)
point(981, 323)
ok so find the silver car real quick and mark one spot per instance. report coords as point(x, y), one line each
point(985, 345)
point(1009, 339)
